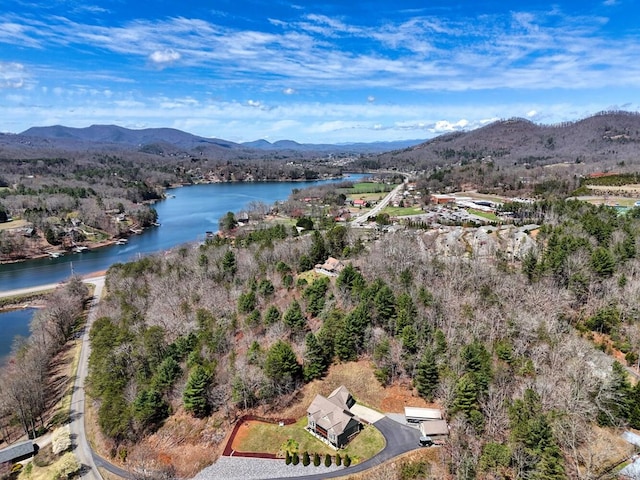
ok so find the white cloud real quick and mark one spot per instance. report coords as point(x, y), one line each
point(444, 126)
point(531, 113)
point(254, 103)
point(371, 99)
point(12, 75)
point(165, 57)
point(288, 91)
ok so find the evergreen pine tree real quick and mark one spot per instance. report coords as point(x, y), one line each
point(338, 459)
point(281, 364)
point(426, 379)
point(294, 318)
point(315, 363)
point(195, 392)
point(272, 316)
point(287, 457)
point(316, 460)
point(305, 459)
point(327, 460)
point(296, 459)
point(229, 264)
point(347, 460)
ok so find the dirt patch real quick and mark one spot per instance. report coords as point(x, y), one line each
point(241, 434)
point(399, 396)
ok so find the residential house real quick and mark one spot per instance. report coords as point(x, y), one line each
point(18, 451)
point(332, 267)
point(360, 203)
point(330, 417)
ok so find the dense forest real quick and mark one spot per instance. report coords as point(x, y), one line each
point(521, 356)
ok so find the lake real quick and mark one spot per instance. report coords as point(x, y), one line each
point(185, 216)
point(12, 324)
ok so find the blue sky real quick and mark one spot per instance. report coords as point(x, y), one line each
point(333, 72)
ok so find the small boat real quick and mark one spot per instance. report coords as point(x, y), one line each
point(155, 224)
point(55, 254)
point(137, 231)
point(122, 241)
point(80, 249)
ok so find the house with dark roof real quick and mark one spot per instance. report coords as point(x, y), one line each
point(330, 417)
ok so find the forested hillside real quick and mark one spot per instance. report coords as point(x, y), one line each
point(519, 356)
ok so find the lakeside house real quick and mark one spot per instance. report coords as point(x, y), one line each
point(330, 417)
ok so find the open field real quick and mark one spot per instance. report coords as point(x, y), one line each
point(480, 213)
point(482, 196)
point(607, 200)
point(13, 224)
point(630, 189)
point(402, 211)
point(255, 436)
point(367, 187)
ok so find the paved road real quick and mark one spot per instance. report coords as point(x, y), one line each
point(399, 439)
point(26, 291)
point(358, 221)
point(81, 446)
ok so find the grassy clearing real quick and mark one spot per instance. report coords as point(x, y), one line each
point(13, 224)
point(488, 215)
point(367, 187)
point(402, 211)
point(268, 438)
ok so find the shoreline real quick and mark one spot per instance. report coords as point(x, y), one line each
point(65, 253)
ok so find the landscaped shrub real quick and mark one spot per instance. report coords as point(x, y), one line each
point(327, 460)
point(316, 459)
point(305, 459)
point(296, 459)
point(347, 460)
point(61, 439)
point(338, 459)
point(287, 457)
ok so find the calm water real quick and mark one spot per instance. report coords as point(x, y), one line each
point(12, 324)
point(183, 218)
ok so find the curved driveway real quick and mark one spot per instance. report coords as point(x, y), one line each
point(399, 439)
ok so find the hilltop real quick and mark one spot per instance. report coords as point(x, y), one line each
point(604, 137)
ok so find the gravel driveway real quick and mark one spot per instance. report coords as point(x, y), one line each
point(240, 468)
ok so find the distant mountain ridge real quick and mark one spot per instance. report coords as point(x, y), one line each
point(121, 135)
point(157, 140)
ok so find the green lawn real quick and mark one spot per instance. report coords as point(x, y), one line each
point(488, 215)
point(402, 211)
point(367, 187)
point(268, 438)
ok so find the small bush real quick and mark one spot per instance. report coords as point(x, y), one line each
point(347, 460)
point(338, 459)
point(296, 459)
point(327, 460)
point(305, 459)
point(316, 459)
point(287, 457)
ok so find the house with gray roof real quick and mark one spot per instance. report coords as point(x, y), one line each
point(330, 417)
point(18, 451)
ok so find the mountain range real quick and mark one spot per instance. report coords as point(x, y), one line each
point(610, 136)
point(170, 141)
